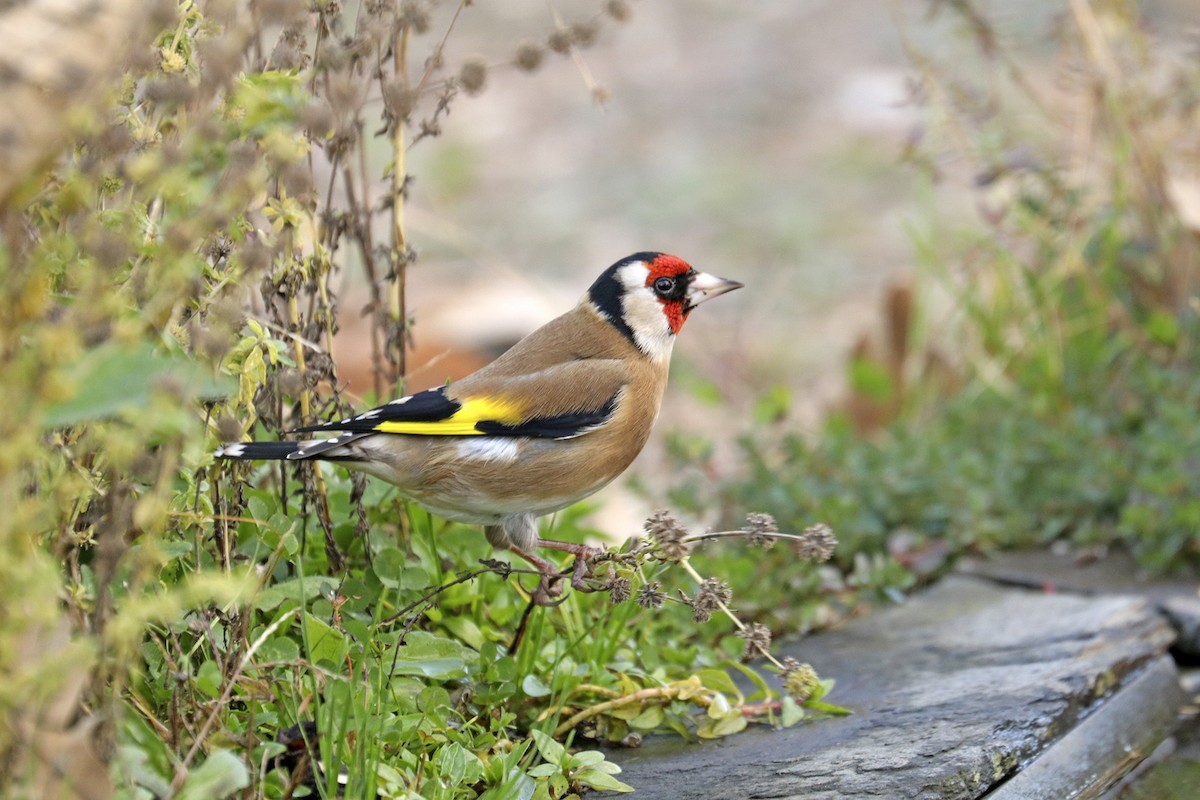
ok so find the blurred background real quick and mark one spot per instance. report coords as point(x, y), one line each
point(775, 143)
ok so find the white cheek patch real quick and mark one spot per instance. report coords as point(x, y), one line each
point(489, 448)
point(644, 314)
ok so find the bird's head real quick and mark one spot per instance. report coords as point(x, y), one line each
point(648, 297)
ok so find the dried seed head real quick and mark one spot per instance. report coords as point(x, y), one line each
point(282, 11)
point(399, 98)
point(290, 382)
point(473, 75)
point(619, 590)
point(169, 92)
point(218, 247)
point(799, 680)
point(713, 593)
point(296, 179)
point(583, 34)
point(757, 638)
point(317, 119)
point(619, 10)
point(380, 8)
point(758, 526)
point(415, 14)
point(228, 428)
point(346, 94)
point(668, 536)
point(560, 40)
point(757, 522)
point(287, 56)
point(817, 544)
point(528, 56)
point(651, 595)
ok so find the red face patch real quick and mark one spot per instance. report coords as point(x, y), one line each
point(665, 266)
point(668, 266)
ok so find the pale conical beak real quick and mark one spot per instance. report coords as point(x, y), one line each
point(703, 287)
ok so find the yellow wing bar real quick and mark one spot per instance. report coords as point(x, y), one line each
point(462, 422)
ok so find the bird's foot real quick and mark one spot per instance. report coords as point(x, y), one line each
point(583, 561)
point(549, 591)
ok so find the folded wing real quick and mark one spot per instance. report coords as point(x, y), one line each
point(560, 402)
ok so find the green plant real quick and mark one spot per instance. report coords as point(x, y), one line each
point(1054, 401)
point(211, 630)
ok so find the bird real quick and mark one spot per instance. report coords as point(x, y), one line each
point(551, 421)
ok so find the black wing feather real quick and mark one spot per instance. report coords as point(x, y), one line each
point(431, 405)
point(561, 426)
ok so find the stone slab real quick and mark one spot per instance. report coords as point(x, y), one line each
point(1107, 745)
point(952, 692)
point(1114, 573)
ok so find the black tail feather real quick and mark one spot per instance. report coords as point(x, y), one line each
point(250, 451)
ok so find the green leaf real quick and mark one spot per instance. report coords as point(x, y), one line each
point(650, 718)
point(300, 590)
point(457, 764)
point(534, 687)
point(732, 723)
point(552, 751)
point(601, 781)
point(279, 648)
point(585, 758)
point(871, 379)
point(221, 774)
point(772, 406)
point(719, 681)
point(389, 566)
point(208, 678)
point(1163, 327)
point(791, 712)
point(118, 377)
point(827, 708)
point(466, 630)
point(324, 642)
point(754, 677)
point(432, 656)
point(719, 707)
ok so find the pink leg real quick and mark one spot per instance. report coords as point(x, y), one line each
point(551, 583)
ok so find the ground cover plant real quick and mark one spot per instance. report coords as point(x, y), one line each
point(175, 627)
point(1048, 399)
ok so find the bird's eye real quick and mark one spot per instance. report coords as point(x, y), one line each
point(664, 285)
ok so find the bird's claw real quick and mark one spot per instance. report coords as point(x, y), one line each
point(583, 570)
point(549, 591)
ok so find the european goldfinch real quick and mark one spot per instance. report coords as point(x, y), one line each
point(551, 421)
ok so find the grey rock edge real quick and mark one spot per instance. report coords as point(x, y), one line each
point(1115, 573)
point(954, 693)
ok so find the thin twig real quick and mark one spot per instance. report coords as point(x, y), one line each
point(222, 703)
